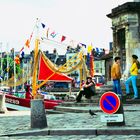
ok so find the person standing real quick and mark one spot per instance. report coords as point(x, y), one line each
point(133, 77)
point(116, 76)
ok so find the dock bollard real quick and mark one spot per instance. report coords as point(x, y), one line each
point(38, 116)
point(3, 108)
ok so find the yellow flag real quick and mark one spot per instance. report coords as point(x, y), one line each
point(89, 49)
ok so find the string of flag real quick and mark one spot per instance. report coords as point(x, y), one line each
point(52, 34)
point(27, 42)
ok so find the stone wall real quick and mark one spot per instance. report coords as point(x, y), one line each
point(126, 17)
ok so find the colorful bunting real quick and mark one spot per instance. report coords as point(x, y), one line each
point(21, 49)
point(43, 25)
point(27, 43)
point(53, 34)
point(63, 38)
point(22, 54)
point(89, 49)
point(84, 45)
point(47, 33)
point(31, 36)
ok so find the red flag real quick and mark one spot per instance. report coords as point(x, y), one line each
point(31, 36)
point(91, 65)
point(63, 38)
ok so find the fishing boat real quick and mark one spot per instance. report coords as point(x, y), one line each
point(43, 71)
point(18, 103)
point(39, 78)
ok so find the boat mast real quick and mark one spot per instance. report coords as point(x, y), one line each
point(23, 74)
point(34, 81)
point(1, 60)
point(7, 62)
point(14, 73)
point(35, 68)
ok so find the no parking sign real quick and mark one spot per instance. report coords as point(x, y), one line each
point(109, 102)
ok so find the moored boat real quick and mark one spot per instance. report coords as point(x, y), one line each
point(17, 103)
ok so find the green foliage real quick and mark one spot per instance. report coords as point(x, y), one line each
point(10, 69)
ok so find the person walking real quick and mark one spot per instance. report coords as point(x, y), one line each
point(133, 77)
point(116, 76)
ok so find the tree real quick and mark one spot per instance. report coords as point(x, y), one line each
point(10, 68)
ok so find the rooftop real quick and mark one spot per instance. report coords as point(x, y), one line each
point(129, 7)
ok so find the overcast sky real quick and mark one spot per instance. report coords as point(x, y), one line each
point(79, 20)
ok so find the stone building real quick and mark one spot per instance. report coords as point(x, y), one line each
point(108, 63)
point(126, 33)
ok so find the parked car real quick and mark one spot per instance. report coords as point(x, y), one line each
point(61, 85)
point(99, 79)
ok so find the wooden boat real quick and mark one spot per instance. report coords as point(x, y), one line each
point(44, 74)
point(16, 103)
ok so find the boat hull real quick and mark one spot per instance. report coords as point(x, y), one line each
point(10, 99)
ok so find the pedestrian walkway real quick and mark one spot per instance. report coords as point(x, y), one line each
point(17, 123)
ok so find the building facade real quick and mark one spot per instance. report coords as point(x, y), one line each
point(126, 33)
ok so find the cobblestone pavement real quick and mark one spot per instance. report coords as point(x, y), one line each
point(19, 121)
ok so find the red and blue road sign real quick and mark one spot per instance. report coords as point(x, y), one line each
point(109, 102)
